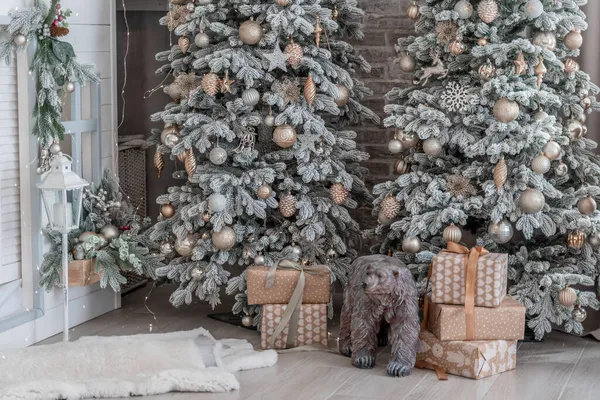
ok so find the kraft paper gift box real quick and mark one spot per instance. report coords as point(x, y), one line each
point(312, 326)
point(449, 275)
point(316, 288)
point(82, 273)
point(506, 322)
point(475, 359)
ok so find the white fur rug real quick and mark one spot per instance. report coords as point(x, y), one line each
point(123, 366)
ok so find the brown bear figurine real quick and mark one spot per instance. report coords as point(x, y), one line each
point(381, 291)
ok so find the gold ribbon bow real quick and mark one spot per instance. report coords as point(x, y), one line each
point(471, 260)
point(291, 314)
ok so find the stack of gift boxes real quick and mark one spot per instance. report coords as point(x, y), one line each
point(471, 326)
point(274, 288)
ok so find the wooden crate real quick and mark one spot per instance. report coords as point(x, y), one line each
point(81, 273)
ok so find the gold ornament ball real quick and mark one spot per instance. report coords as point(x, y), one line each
point(487, 11)
point(531, 201)
point(287, 205)
point(567, 297)
point(19, 40)
point(167, 210)
point(540, 164)
point(573, 40)
point(552, 150)
point(571, 65)
point(110, 232)
point(576, 239)
point(185, 247)
point(407, 63)
point(224, 239)
point(546, 40)
point(343, 95)
point(338, 193)
point(579, 314)
point(247, 321)
point(432, 147)
point(264, 191)
point(401, 167)
point(411, 244)
point(587, 205)
point(202, 40)
point(456, 47)
point(251, 32)
point(285, 136)
point(482, 41)
point(452, 233)
point(413, 11)
point(506, 110)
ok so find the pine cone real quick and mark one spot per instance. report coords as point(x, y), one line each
point(390, 207)
point(294, 50)
point(58, 31)
point(210, 84)
point(339, 194)
point(487, 11)
point(287, 205)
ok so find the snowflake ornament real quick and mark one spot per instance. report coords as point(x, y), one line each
point(446, 31)
point(288, 90)
point(459, 186)
point(455, 97)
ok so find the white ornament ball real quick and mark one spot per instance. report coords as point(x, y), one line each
point(452, 233)
point(185, 247)
point(546, 40)
point(395, 146)
point(296, 250)
point(224, 239)
point(501, 232)
point(384, 219)
point(250, 32)
point(20, 40)
point(54, 148)
point(259, 260)
point(110, 232)
point(541, 164)
point(464, 9)
point(218, 156)
point(531, 201)
point(552, 150)
point(69, 87)
point(573, 40)
point(217, 202)
point(247, 321)
point(269, 120)
point(579, 314)
point(506, 110)
point(540, 116)
point(411, 244)
point(594, 240)
point(250, 97)
point(202, 40)
point(587, 205)
point(432, 147)
point(407, 63)
point(561, 169)
point(533, 9)
point(196, 274)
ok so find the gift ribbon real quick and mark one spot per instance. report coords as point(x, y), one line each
point(440, 371)
point(471, 260)
point(291, 315)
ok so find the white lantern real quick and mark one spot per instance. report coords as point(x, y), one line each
point(62, 195)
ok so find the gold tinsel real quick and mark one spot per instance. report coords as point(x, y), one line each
point(159, 162)
point(295, 53)
point(184, 44)
point(190, 163)
point(446, 31)
point(500, 173)
point(390, 207)
point(338, 193)
point(459, 186)
point(210, 84)
point(318, 30)
point(310, 90)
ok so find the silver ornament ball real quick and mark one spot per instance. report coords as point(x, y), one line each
point(20, 40)
point(531, 201)
point(185, 247)
point(573, 40)
point(561, 169)
point(384, 219)
point(54, 148)
point(69, 87)
point(587, 205)
point(110, 232)
point(411, 244)
point(552, 150)
point(224, 239)
point(452, 233)
point(594, 240)
point(171, 140)
point(540, 164)
point(407, 63)
point(506, 110)
point(196, 274)
point(217, 202)
point(250, 97)
point(546, 40)
point(259, 260)
point(202, 40)
point(533, 9)
point(409, 140)
point(432, 147)
point(218, 156)
point(579, 314)
point(501, 232)
point(296, 250)
point(269, 120)
point(395, 146)
point(464, 9)
point(247, 321)
point(343, 95)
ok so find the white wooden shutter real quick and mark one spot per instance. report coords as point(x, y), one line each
point(10, 212)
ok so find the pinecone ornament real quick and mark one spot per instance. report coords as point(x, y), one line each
point(210, 84)
point(287, 205)
point(390, 207)
point(295, 53)
point(487, 11)
point(338, 192)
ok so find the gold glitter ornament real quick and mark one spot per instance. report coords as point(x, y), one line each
point(176, 17)
point(487, 11)
point(500, 173)
point(459, 186)
point(506, 110)
point(576, 239)
point(159, 162)
point(210, 84)
point(338, 193)
point(287, 205)
point(264, 191)
point(250, 32)
point(294, 52)
point(446, 31)
point(390, 207)
point(225, 239)
point(310, 90)
point(456, 47)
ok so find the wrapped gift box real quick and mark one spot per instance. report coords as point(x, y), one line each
point(506, 322)
point(81, 273)
point(448, 279)
point(312, 325)
point(475, 359)
point(316, 288)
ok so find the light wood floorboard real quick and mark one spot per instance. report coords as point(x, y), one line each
point(561, 367)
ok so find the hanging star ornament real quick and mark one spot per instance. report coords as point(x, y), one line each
point(520, 64)
point(226, 83)
point(277, 59)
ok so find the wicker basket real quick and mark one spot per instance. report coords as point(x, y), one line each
point(132, 170)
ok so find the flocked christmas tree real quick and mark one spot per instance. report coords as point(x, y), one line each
point(491, 140)
point(263, 93)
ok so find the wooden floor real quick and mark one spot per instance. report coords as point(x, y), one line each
point(561, 367)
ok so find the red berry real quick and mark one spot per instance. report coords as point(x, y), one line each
point(60, 18)
point(55, 23)
point(58, 6)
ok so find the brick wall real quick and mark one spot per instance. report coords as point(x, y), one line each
point(384, 23)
